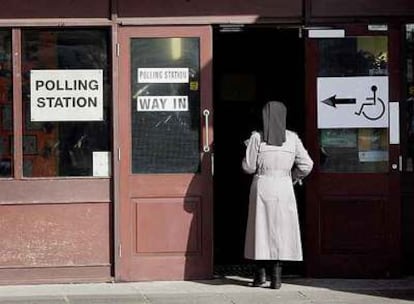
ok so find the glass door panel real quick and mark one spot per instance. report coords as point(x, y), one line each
point(352, 148)
point(6, 109)
point(165, 105)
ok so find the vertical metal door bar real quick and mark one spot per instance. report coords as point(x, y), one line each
point(206, 147)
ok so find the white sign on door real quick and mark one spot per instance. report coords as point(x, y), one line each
point(352, 102)
point(66, 95)
point(163, 75)
point(162, 103)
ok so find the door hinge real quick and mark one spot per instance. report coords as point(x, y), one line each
point(119, 154)
point(117, 50)
point(120, 250)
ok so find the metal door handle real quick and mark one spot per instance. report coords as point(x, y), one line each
point(400, 163)
point(212, 163)
point(206, 147)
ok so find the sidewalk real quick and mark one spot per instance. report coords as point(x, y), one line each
point(229, 290)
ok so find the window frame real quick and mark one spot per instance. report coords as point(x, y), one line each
point(17, 103)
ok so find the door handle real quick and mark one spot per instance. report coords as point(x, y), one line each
point(206, 147)
point(398, 166)
point(212, 163)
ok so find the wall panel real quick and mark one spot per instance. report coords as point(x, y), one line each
point(176, 230)
point(356, 8)
point(54, 9)
point(54, 235)
point(74, 238)
point(187, 8)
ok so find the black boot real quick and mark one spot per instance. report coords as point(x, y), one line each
point(276, 275)
point(259, 276)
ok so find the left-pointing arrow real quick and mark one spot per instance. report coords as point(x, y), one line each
point(333, 101)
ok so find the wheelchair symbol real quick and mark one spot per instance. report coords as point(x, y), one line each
point(372, 103)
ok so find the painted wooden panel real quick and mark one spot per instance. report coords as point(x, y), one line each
point(190, 8)
point(38, 191)
point(171, 8)
point(357, 184)
point(168, 225)
point(353, 225)
point(407, 215)
point(353, 8)
point(67, 274)
point(54, 9)
point(48, 235)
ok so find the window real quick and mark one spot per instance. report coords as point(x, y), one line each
point(353, 149)
point(6, 109)
point(165, 105)
point(66, 103)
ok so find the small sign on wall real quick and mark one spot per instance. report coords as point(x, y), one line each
point(66, 95)
point(101, 163)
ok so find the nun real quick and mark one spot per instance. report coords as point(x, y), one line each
point(278, 160)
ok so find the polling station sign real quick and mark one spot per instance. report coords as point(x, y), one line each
point(66, 95)
point(163, 75)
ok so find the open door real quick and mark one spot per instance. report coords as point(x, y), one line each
point(353, 211)
point(165, 129)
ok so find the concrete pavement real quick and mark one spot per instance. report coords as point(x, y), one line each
point(227, 290)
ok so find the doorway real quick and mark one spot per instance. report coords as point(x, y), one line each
point(252, 64)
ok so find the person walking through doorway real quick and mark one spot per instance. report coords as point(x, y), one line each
point(278, 160)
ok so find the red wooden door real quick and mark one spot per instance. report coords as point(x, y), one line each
point(353, 197)
point(165, 127)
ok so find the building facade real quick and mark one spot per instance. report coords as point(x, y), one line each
point(122, 126)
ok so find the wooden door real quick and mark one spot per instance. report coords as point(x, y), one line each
point(353, 197)
point(407, 147)
point(165, 128)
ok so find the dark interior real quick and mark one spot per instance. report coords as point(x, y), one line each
point(252, 65)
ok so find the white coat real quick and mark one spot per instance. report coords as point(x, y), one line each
point(273, 226)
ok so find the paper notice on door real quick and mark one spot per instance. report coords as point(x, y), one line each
point(373, 156)
point(101, 163)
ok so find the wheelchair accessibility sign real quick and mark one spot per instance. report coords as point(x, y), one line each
point(352, 102)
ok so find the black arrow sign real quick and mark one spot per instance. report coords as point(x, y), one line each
point(333, 101)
